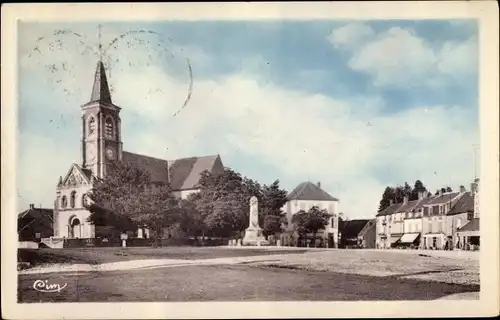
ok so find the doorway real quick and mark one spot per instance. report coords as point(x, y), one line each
point(76, 228)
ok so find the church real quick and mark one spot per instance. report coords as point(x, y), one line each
point(101, 143)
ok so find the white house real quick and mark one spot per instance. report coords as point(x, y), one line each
point(305, 196)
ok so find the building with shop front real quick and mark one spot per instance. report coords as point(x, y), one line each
point(444, 221)
point(468, 235)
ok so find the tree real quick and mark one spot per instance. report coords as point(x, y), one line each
point(272, 224)
point(399, 194)
point(273, 200)
point(407, 190)
point(448, 189)
point(223, 203)
point(191, 220)
point(418, 187)
point(387, 196)
point(310, 221)
point(442, 190)
point(127, 198)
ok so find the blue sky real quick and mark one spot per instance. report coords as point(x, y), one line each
point(357, 105)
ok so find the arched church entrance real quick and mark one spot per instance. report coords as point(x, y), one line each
point(75, 228)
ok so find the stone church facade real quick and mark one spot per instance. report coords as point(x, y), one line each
point(101, 144)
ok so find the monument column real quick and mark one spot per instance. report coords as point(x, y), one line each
point(253, 234)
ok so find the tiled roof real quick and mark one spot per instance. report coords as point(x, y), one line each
point(444, 198)
point(464, 204)
point(86, 172)
point(424, 201)
point(472, 225)
point(408, 206)
point(389, 210)
point(157, 168)
point(185, 173)
point(36, 213)
point(309, 191)
point(100, 90)
point(352, 228)
point(370, 223)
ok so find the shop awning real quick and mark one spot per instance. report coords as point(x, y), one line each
point(472, 225)
point(395, 238)
point(409, 237)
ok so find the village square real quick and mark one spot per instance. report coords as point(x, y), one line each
point(221, 221)
point(204, 216)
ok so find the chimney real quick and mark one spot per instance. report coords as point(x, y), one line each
point(318, 184)
point(440, 192)
point(473, 187)
point(32, 206)
point(391, 202)
point(462, 189)
point(405, 199)
point(420, 195)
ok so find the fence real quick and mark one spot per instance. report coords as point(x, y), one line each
point(140, 242)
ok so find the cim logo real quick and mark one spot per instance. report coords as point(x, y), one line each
point(45, 286)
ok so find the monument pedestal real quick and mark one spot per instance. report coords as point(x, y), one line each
point(253, 234)
point(254, 237)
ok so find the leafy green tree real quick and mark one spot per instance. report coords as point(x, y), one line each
point(273, 199)
point(418, 187)
point(407, 190)
point(273, 224)
point(127, 198)
point(223, 203)
point(387, 196)
point(310, 221)
point(191, 220)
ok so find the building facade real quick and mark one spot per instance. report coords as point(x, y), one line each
point(34, 224)
point(305, 196)
point(444, 221)
point(101, 144)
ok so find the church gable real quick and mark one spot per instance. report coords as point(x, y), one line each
point(76, 176)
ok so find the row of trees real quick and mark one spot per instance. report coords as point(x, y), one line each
point(397, 194)
point(128, 199)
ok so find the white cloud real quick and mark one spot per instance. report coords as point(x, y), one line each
point(316, 137)
point(337, 142)
point(458, 57)
point(399, 57)
point(350, 35)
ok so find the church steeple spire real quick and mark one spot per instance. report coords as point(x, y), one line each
point(100, 90)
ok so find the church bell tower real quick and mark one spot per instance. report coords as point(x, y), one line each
point(101, 127)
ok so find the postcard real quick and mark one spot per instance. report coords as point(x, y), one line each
point(249, 160)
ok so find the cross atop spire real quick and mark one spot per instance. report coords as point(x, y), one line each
point(100, 42)
point(100, 90)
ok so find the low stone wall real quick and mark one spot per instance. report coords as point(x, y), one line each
point(27, 245)
point(141, 242)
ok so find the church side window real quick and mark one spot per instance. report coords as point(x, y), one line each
point(64, 202)
point(84, 200)
point(109, 128)
point(72, 199)
point(92, 125)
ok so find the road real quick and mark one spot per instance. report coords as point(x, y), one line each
point(230, 283)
